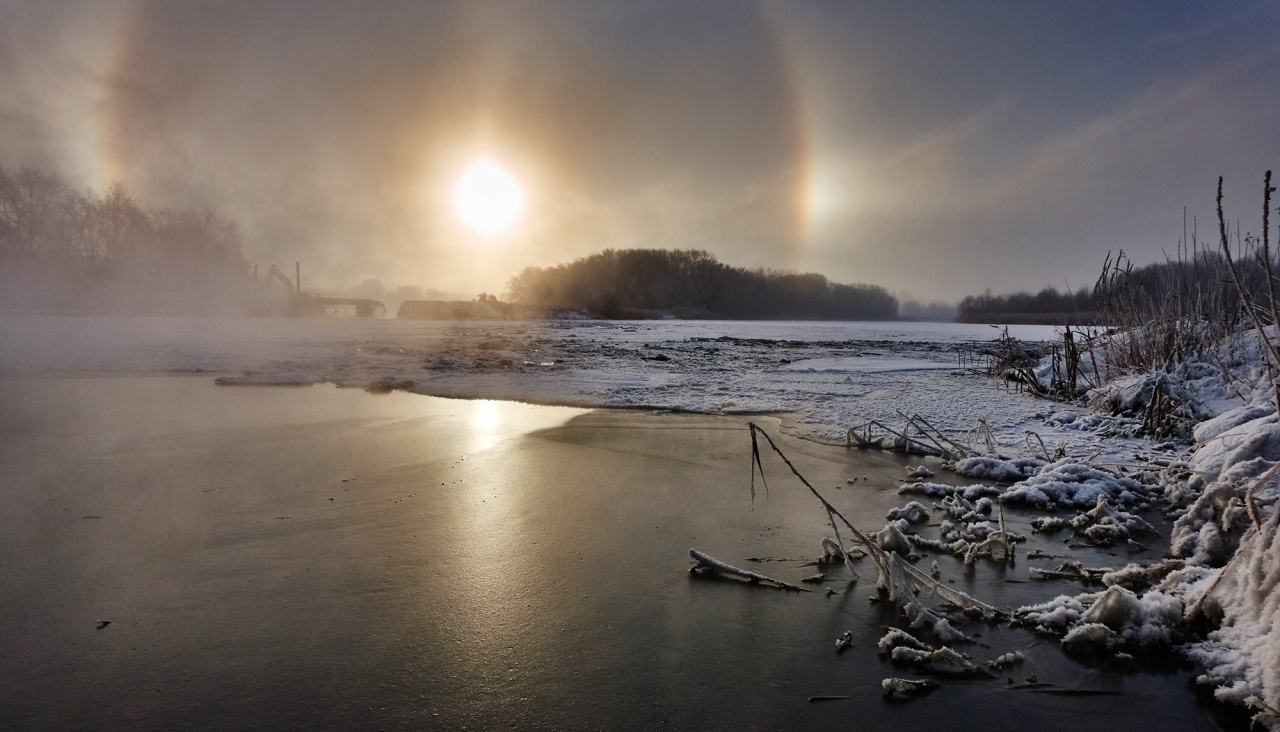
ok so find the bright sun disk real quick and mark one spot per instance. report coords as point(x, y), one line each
point(488, 199)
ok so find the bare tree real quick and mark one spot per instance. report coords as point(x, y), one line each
point(29, 206)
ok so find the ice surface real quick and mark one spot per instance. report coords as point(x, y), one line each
point(864, 365)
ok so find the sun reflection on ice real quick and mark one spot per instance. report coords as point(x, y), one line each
point(486, 424)
point(496, 501)
point(490, 421)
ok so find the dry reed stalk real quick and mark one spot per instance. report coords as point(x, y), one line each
point(1251, 308)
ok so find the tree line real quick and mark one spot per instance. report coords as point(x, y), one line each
point(1196, 284)
point(637, 283)
point(67, 249)
point(1047, 305)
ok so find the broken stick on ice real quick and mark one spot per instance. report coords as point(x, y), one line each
point(706, 561)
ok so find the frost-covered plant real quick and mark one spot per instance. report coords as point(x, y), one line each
point(1101, 525)
point(985, 467)
point(1138, 577)
point(939, 490)
point(1072, 483)
point(940, 661)
point(896, 688)
point(1108, 620)
point(896, 638)
point(1005, 661)
point(998, 542)
point(893, 537)
point(913, 513)
point(901, 583)
point(919, 472)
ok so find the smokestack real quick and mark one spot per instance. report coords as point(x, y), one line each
point(297, 277)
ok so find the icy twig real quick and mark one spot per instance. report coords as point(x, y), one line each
point(926, 430)
point(896, 688)
point(1070, 571)
point(964, 450)
point(1250, 496)
point(706, 561)
point(907, 442)
point(848, 560)
point(1044, 451)
point(844, 641)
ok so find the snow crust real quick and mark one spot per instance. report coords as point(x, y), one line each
point(985, 467)
point(1069, 482)
point(1242, 658)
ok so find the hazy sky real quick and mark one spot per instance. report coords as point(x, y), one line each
point(935, 148)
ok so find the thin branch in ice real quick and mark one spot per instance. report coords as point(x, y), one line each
point(848, 561)
point(706, 561)
point(755, 461)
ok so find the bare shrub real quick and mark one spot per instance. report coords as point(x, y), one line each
point(1161, 315)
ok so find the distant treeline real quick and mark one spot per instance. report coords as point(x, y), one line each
point(1198, 282)
point(638, 283)
point(68, 250)
point(1047, 306)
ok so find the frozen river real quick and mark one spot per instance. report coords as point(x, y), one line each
point(332, 559)
point(320, 558)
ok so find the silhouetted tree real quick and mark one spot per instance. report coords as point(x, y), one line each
point(29, 208)
point(630, 282)
point(84, 250)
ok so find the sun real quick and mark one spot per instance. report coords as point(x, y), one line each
point(488, 199)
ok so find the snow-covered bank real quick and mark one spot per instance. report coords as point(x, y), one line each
point(1217, 479)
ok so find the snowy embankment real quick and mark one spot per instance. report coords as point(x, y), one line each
point(1085, 468)
point(1217, 480)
